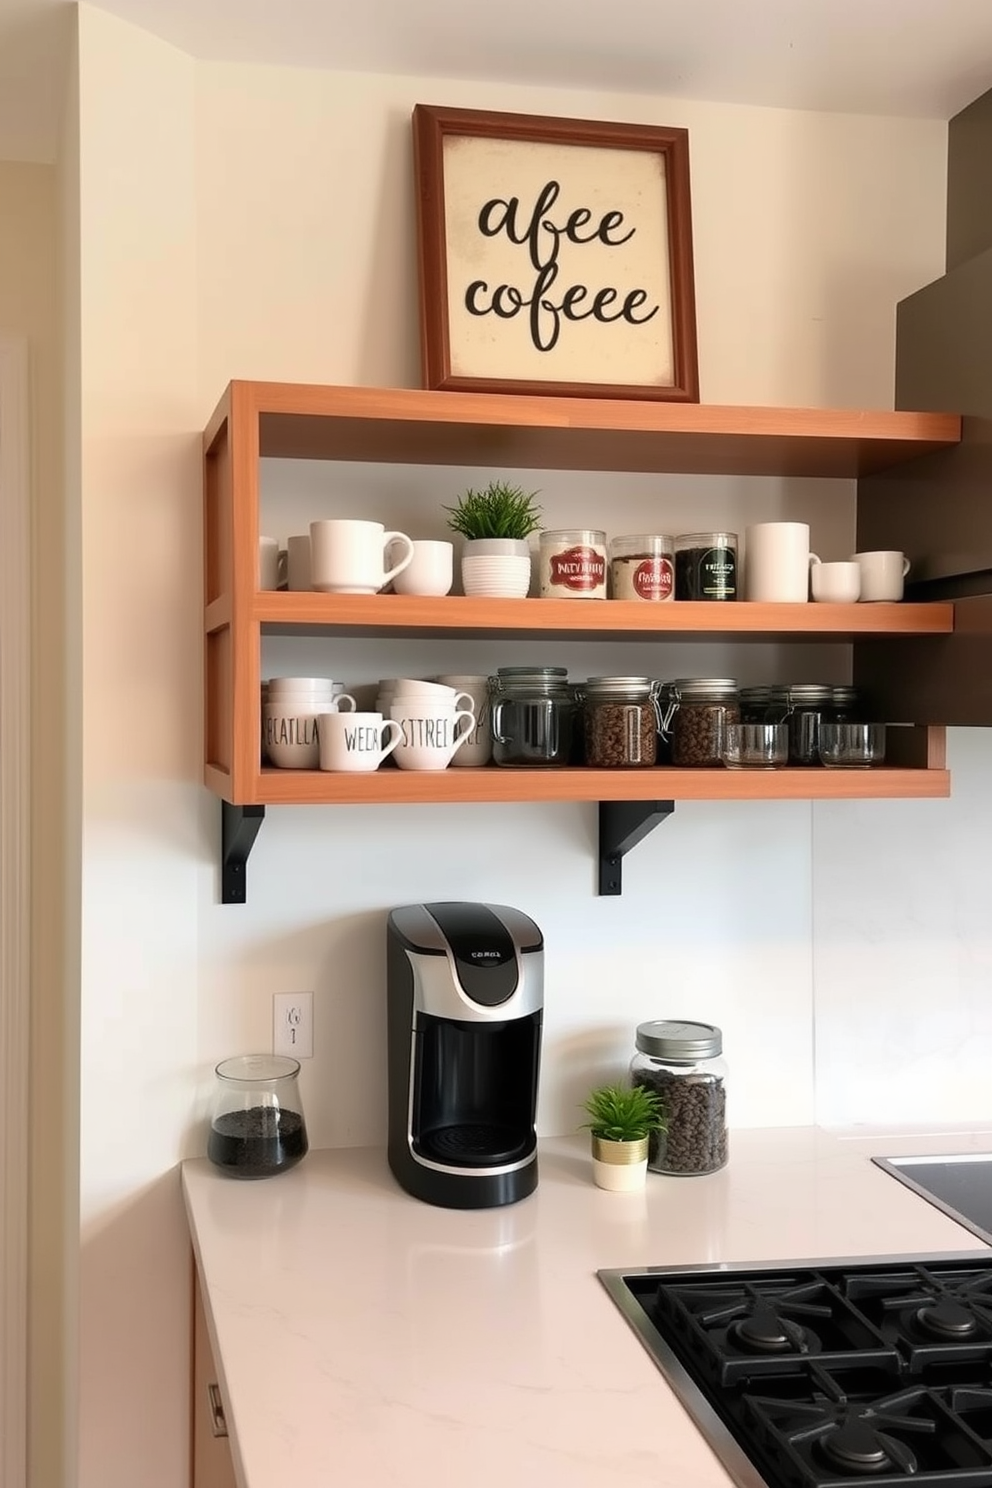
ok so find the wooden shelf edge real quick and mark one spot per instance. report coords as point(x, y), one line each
point(465, 786)
point(537, 410)
point(459, 613)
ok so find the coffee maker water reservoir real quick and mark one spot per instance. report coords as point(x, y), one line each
point(465, 1003)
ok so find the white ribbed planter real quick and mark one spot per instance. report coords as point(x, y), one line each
point(620, 1167)
point(496, 567)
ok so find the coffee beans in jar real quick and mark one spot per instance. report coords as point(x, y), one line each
point(699, 710)
point(642, 567)
point(682, 1063)
point(620, 716)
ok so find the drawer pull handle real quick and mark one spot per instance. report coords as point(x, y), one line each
point(218, 1425)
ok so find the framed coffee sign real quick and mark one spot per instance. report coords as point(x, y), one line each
point(555, 256)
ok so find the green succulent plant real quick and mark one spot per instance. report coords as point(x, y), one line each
point(624, 1113)
point(501, 510)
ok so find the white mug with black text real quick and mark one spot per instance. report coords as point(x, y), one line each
point(356, 741)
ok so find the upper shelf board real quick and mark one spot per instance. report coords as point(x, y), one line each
point(411, 427)
point(384, 614)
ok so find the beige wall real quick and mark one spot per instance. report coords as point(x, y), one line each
point(29, 306)
point(251, 222)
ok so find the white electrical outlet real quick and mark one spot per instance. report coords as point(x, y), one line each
point(292, 1024)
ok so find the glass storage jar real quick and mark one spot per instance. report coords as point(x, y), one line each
point(533, 715)
point(706, 565)
point(642, 567)
point(810, 704)
point(621, 720)
point(572, 564)
point(764, 704)
point(256, 1125)
point(683, 1064)
point(699, 710)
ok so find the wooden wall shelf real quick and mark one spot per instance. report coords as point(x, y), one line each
point(456, 615)
point(257, 420)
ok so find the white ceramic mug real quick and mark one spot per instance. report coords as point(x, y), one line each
point(289, 730)
point(835, 583)
point(356, 741)
point(271, 563)
point(298, 562)
point(430, 570)
point(882, 574)
point(432, 732)
point(478, 747)
point(776, 562)
point(348, 556)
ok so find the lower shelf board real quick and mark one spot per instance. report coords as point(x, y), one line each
point(392, 786)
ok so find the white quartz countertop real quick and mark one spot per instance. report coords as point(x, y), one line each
point(366, 1339)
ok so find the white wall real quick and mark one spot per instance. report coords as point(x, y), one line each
point(140, 534)
point(247, 222)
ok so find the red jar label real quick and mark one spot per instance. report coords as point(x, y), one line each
point(654, 578)
point(578, 568)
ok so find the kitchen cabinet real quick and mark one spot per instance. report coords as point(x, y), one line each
point(212, 1464)
point(257, 420)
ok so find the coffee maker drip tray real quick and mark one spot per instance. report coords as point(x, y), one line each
point(475, 1144)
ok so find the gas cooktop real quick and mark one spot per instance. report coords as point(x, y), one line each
point(828, 1373)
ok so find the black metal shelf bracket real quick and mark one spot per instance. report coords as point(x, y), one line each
point(622, 825)
point(238, 829)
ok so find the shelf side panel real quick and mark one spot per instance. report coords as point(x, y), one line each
point(218, 716)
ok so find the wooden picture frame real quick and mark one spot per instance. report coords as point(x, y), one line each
point(555, 256)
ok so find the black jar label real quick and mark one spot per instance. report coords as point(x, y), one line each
point(706, 573)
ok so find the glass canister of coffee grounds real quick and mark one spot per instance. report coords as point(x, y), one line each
point(533, 712)
point(706, 565)
point(256, 1126)
point(683, 1064)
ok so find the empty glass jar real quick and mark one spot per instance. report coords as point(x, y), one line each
point(533, 716)
point(256, 1126)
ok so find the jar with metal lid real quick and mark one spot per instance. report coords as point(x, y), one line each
point(698, 712)
point(810, 704)
point(764, 704)
point(533, 714)
point(846, 703)
point(573, 564)
point(706, 565)
point(683, 1064)
point(621, 722)
point(642, 567)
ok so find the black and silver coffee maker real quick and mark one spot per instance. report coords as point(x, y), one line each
point(465, 1002)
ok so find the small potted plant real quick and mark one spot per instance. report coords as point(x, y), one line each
point(496, 523)
point(622, 1118)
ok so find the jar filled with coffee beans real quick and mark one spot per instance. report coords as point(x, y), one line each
point(699, 710)
point(621, 720)
point(683, 1064)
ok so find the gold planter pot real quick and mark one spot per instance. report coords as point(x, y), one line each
point(619, 1166)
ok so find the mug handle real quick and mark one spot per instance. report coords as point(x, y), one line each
point(405, 561)
point(344, 697)
point(394, 743)
point(814, 558)
point(461, 738)
point(906, 565)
